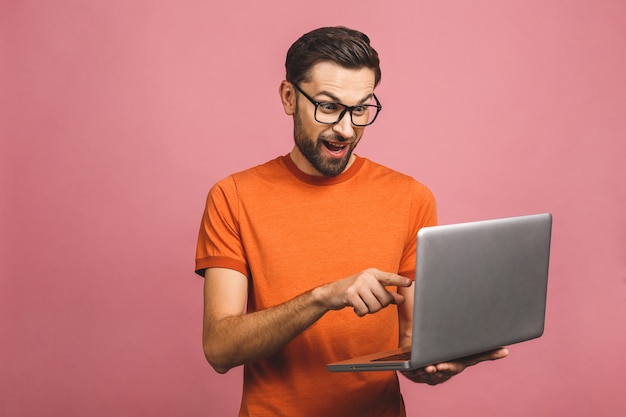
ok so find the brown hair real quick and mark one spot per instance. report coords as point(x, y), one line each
point(343, 46)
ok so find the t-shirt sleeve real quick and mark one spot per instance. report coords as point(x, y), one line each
point(423, 213)
point(219, 240)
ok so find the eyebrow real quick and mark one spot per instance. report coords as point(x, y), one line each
point(336, 99)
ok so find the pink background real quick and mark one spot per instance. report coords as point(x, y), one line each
point(117, 116)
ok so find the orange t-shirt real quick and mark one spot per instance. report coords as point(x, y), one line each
point(289, 232)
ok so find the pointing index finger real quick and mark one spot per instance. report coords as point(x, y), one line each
point(389, 279)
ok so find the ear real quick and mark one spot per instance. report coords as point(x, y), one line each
point(287, 97)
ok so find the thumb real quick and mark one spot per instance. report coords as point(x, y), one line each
point(397, 298)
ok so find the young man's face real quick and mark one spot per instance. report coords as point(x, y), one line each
point(326, 149)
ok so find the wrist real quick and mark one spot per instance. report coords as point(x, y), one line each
point(319, 297)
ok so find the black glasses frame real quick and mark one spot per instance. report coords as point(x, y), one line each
point(349, 109)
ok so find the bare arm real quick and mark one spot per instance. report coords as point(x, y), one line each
point(441, 372)
point(405, 316)
point(232, 338)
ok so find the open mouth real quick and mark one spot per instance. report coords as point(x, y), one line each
point(337, 149)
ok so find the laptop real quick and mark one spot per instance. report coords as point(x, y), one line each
point(478, 286)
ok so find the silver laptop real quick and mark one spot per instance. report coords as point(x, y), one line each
point(478, 286)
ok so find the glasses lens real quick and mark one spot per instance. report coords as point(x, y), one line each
point(364, 115)
point(329, 112)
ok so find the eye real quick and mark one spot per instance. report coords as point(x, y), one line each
point(329, 107)
point(359, 110)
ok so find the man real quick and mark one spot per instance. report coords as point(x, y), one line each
point(308, 258)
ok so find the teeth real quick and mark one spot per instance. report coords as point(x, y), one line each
point(336, 146)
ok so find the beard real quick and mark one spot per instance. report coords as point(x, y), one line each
point(313, 151)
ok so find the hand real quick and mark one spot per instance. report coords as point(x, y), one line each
point(365, 292)
point(441, 372)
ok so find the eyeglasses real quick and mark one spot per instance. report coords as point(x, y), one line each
point(328, 112)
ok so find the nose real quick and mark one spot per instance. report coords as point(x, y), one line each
point(344, 127)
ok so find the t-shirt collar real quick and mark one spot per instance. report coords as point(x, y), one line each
point(321, 180)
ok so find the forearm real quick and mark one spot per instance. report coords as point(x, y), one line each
point(239, 339)
point(231, 338)
point(405, 317)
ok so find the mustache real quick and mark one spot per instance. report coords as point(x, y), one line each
point(333, 137)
